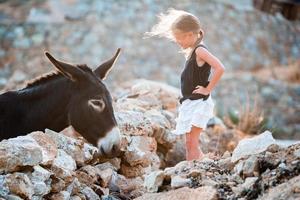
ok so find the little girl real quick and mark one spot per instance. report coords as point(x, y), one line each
point(196, 103)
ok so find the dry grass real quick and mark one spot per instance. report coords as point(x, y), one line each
point(220, 139)
point(249, 118)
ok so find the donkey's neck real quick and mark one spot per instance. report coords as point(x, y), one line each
point(47, 104)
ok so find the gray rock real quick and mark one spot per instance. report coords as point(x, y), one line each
point(75, 198)
point(185, 193)
point(34, 197)
point(19, 184)
point(40, 174)
point(22, 43)
point(13, 197)
point(269, 94)
point(248, 184)
point(297, 153)
point(63, 195)
point(108, 197)
point(90, 194)
point(208, 182)
point(74, 187)
point(18, 76)
point(40, 179)
point(215, 121)
point(287, 190)
point(250, 167)
point(4, 191)
point(40, 188)
point(273, 148)
point(38, 39)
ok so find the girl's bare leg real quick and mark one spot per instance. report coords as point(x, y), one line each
point(193, 150)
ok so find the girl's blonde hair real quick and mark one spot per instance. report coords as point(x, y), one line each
point(175, 20)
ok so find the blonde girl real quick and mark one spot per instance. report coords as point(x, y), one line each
point(197, 81)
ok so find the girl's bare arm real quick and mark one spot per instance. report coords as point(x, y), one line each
point(215, 63)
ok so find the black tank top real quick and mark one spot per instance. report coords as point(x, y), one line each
point(193, 75)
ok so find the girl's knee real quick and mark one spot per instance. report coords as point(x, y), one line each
point(196, 129)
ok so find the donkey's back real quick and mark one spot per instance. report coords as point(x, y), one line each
point(12, 114)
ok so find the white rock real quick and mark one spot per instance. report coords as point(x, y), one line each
point(253, 145)
point(63, 160)
point(81, 152)
point(49, 148)
point(154, 180)
point(40, 174)
point(13, 197)
point(20, 151)
point(139, 150)
point(178, 181)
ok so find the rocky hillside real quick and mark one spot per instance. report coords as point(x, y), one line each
point(60, 166)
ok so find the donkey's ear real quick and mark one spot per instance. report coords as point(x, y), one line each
point(69, 71)
point(105, 67)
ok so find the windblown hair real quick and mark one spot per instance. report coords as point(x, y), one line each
point(175, 20)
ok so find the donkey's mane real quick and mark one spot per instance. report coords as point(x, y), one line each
point(43, 79)
point(52, 76)
point(84, 67)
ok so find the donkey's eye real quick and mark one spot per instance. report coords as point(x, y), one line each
point(97, 104)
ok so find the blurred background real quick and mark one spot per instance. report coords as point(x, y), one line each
point(258, 42)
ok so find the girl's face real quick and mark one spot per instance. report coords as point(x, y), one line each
point(185, 39)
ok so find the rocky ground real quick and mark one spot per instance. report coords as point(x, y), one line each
point(52, 165)
point(90, 31)
point(261, 80)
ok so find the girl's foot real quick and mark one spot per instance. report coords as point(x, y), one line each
point(194, 155)
point(208, 155)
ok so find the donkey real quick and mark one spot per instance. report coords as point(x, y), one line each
point(72, 95)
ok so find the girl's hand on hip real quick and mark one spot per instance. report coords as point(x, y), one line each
point(201, 90)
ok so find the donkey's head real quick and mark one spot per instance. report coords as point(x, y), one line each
point(90, 110)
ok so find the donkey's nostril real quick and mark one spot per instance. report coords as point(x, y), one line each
point(102, 152)
point(116, 150)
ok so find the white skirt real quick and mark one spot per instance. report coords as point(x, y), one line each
point(193, 113)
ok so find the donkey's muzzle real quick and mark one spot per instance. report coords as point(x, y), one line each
point(109, 146)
